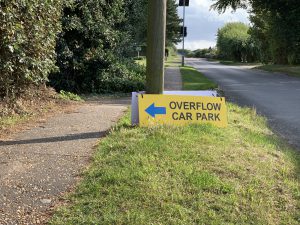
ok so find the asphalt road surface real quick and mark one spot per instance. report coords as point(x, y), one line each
point(274, 95)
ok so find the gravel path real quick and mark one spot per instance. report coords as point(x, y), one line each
point(42, 163)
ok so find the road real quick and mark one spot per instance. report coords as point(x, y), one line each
point(275, 96)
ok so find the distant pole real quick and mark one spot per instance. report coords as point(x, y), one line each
point(182, 63)
point(156, 38)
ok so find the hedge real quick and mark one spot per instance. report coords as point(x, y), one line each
point(28, 32)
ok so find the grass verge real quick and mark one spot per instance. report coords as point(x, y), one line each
point(7, 122)
point(194, 80)
point(173, 60)
point(289, 70)
point(141, 61)
point(233, 63)
point(197, 174)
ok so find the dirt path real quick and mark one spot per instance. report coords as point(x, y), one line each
point(39, 165)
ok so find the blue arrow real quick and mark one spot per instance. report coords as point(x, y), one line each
point(152, 110)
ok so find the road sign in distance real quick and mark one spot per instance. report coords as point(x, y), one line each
point(181, 110)
point(183, 30)
point(184, 2)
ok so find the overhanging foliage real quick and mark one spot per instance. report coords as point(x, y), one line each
point(27, 43)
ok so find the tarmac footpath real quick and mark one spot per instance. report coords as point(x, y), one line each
point(40, 165)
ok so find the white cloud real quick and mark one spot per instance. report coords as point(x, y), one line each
point(203, 23)
point(204, 7)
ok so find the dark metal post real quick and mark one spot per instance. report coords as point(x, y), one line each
point(183, 33)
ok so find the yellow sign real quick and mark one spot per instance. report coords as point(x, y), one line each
point(181, 110)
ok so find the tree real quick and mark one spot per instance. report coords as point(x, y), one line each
point(136, 22)
point(134, 25)
point(89, 55)
point(276, 27)
point(206, 53)
point(234, 42)
point(28, 31)
point(173, 24)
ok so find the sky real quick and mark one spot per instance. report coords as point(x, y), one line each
point(202, 23)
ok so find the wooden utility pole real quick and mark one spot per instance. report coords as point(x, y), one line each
point(156, 39)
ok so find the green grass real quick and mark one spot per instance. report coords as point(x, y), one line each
point(289, 70)
point(95, 96)
point(9, 121)
point(69, 96)
point(234, 63)
point(197, 174)
point(194, 80)
point(142, 61)
point(173, 60)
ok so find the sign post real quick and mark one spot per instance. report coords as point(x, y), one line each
point(183, 3)
point(156, 107)
point(138, 49)
point(156, 46)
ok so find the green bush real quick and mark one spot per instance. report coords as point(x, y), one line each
point(89, 55)
point(69, 96)
point(28, 31)
point(122, 77)
point(234, 42)
point(139, 58)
